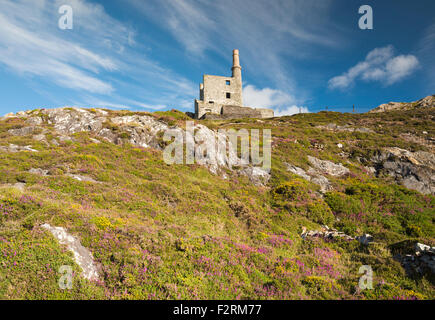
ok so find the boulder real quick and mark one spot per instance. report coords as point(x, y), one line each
point(15, 148)
point(419, 247)
point(25, 131)
point(328, 167)
point(38, 171)
point(311, 175)
point(365, 239)
point(82, 256)
point(258, 176)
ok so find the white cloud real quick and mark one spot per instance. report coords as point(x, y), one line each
point(380, 65)
point(400, 67)
point(271, 98)
point(290, 110)
point(265, 98)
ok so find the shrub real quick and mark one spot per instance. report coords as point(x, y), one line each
point(319, 212)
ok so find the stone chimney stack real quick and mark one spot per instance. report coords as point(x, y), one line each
point(201, 91)
point(237, 69)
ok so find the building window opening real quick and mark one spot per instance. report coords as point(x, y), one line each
point(228, 82)
point(228, 95)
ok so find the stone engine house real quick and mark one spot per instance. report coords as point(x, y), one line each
point(221, 97)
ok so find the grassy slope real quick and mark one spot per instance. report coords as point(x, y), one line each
point(168, 232)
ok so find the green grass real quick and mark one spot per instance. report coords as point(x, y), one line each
point(179, 232)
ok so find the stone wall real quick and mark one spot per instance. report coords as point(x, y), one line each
point(216, 89)
point(236, 112)
point(201, 108)
point(266, 113)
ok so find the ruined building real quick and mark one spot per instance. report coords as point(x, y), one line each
point(221, 97)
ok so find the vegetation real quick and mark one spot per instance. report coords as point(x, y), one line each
point(163, 231)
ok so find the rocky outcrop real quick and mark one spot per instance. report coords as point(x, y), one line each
point(142, 130)
point(421, 261)
point(426, 102)
point(22, 131)
point(311, 175)
point(315, 173)
point(15, 148)
point(298, 171)
point(346, 127)
point(258, 176)
point(138, 129)
point(328, 167)
point(72, 120)
point(414, 170)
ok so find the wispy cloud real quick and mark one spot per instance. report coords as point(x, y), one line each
point(256, 27)
point(379, 65)
point(31, 46)
point(100, 56)
point(426, 49)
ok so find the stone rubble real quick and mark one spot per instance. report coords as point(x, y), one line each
point(331, 234)
point(326, 233)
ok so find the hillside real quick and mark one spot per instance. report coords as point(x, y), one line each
point(149, 230)
point(427, 102)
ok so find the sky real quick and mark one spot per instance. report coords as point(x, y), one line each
point(149, 55)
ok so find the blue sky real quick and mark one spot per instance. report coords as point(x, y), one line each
point(151, 54)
